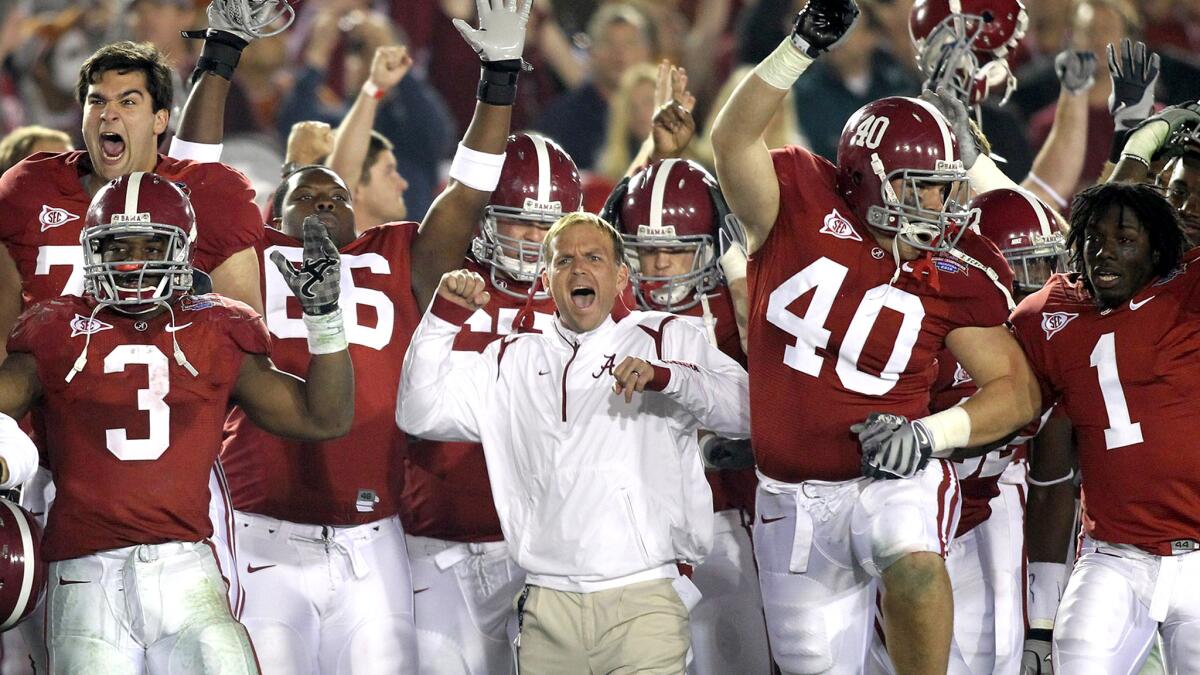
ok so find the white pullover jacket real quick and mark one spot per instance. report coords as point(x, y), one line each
point(592, 492)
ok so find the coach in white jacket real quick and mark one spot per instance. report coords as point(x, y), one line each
point(589, 431)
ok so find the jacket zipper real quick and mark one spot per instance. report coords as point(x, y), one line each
point(566, 369)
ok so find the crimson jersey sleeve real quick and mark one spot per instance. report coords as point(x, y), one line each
point(1030, 325)
point(227, 218)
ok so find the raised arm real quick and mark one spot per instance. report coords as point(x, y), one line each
point(672, 127)
point(1056, 169)
point(448, 228)
point(442, 394)
point(322, 407)
point(743, 162)
point(388, 66)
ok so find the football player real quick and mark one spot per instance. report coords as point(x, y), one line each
point(670, 214)
point(320, 539)
point(1111, 343)
point(848, 311)
point(135, 585)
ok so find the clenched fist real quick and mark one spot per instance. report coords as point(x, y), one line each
point(465, 289)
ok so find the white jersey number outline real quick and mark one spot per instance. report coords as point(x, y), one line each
point(57, 256)
point(824, 278)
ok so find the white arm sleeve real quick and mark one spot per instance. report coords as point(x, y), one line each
point(204, 153)
point(711, 386)
point(442, 392)
point(18, 452)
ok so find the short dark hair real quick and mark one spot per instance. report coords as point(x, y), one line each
point(128, 56)
point(378, 144)
point(1153, 211)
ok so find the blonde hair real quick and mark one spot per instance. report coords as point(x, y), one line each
point(583, 218)
point(783, 129)
point(18, 144)
point(615, 155)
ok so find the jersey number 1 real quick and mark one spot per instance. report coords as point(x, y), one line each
point(1121, 430)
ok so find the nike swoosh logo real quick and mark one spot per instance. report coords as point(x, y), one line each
point(543, 372)
point(172, 329)
point(766, 520)
point(251, 569)
point(421, 590)
point(1137, 305)
point(68, 582)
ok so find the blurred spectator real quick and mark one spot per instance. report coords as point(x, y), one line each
point(1171, 25)
point(844, 80)
point(621, 37)
point(24, 141)
point(629, 116)
point(341, 44)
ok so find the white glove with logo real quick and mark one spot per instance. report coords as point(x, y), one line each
point(501, 32)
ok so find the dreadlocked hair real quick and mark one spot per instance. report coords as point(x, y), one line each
point(1157, 217)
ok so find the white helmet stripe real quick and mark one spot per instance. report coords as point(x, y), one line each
point(543, 165)
point(26, 588)
point(132, 191)
point(944, 126)
point(658, 190)
point(1043, 221)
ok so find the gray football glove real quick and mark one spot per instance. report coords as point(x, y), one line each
point(317, 282)
point(250, 19)
point(725, 454)
point(960, 122)
point(821, 24)
point(1076, 70)
point(892, 446)
point(1134, 74)
point(1036, 658)
point(501, 32)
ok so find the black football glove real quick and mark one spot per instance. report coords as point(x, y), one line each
point(821, 24)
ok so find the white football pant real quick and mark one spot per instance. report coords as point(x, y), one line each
point(157, 609)
point(463, 603)
point(327, 600)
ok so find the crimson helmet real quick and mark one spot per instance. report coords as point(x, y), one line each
point(905, 139)
point(538, 184)
point(22, 569)
point(964, 45)
point(1026, 231)
point(672, 206)
point(138, 205)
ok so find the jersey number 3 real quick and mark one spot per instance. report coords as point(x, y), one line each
point(152, 399)
point(824, 278)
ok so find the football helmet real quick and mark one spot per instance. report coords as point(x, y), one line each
point(965, 45)
point(1026, 231)
point(538, 184)
point(22, 569)
point(672, 206)
point(904, 139)
point(140, 205)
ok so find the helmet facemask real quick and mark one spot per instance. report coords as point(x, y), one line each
point(926, 229)
point(949, 58)
point(136, 286)
point(511, 259)
point(1034, 259)
point(672, 292)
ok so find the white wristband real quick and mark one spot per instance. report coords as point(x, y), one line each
point(783, 66)
point(326, 332)
point(733, 263)
point(949, 430)
point(1046, 583)
point(204, 153)
point(475, 169)
point(985, 176)
point(18, 451)
point(372, 90)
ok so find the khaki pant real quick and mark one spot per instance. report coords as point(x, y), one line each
point(639, 628)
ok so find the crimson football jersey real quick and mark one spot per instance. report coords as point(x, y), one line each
point(978, 477)
point(353, 479)
point(1126, 378)
point(44, 204)
point(133, 437)
point(832, 339)
point(447, 494)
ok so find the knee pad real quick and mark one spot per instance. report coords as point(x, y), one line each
point(880, 539)
point(796, 624)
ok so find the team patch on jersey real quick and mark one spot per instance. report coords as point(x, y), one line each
point(83, 325)
point(195, 303)
point(837, 225)
point(949, 265)
point(52, 216)
point(961, 376)
point(1052, 322)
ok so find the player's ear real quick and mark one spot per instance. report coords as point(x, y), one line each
point(161, 117)
point(622, 277)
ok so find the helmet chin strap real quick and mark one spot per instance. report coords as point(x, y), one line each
point(180, 358)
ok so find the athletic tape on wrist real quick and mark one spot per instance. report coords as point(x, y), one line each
point(475, 169)
point(372, 90)
point(326, 332)
point(733, 263)
point(1046, 583)
point(1144, 141)
point(783, 66)
point(949, 430)
point(197, 152)
point(985, 176)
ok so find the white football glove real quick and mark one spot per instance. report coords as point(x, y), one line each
point(959, 119)
point(501, 32)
